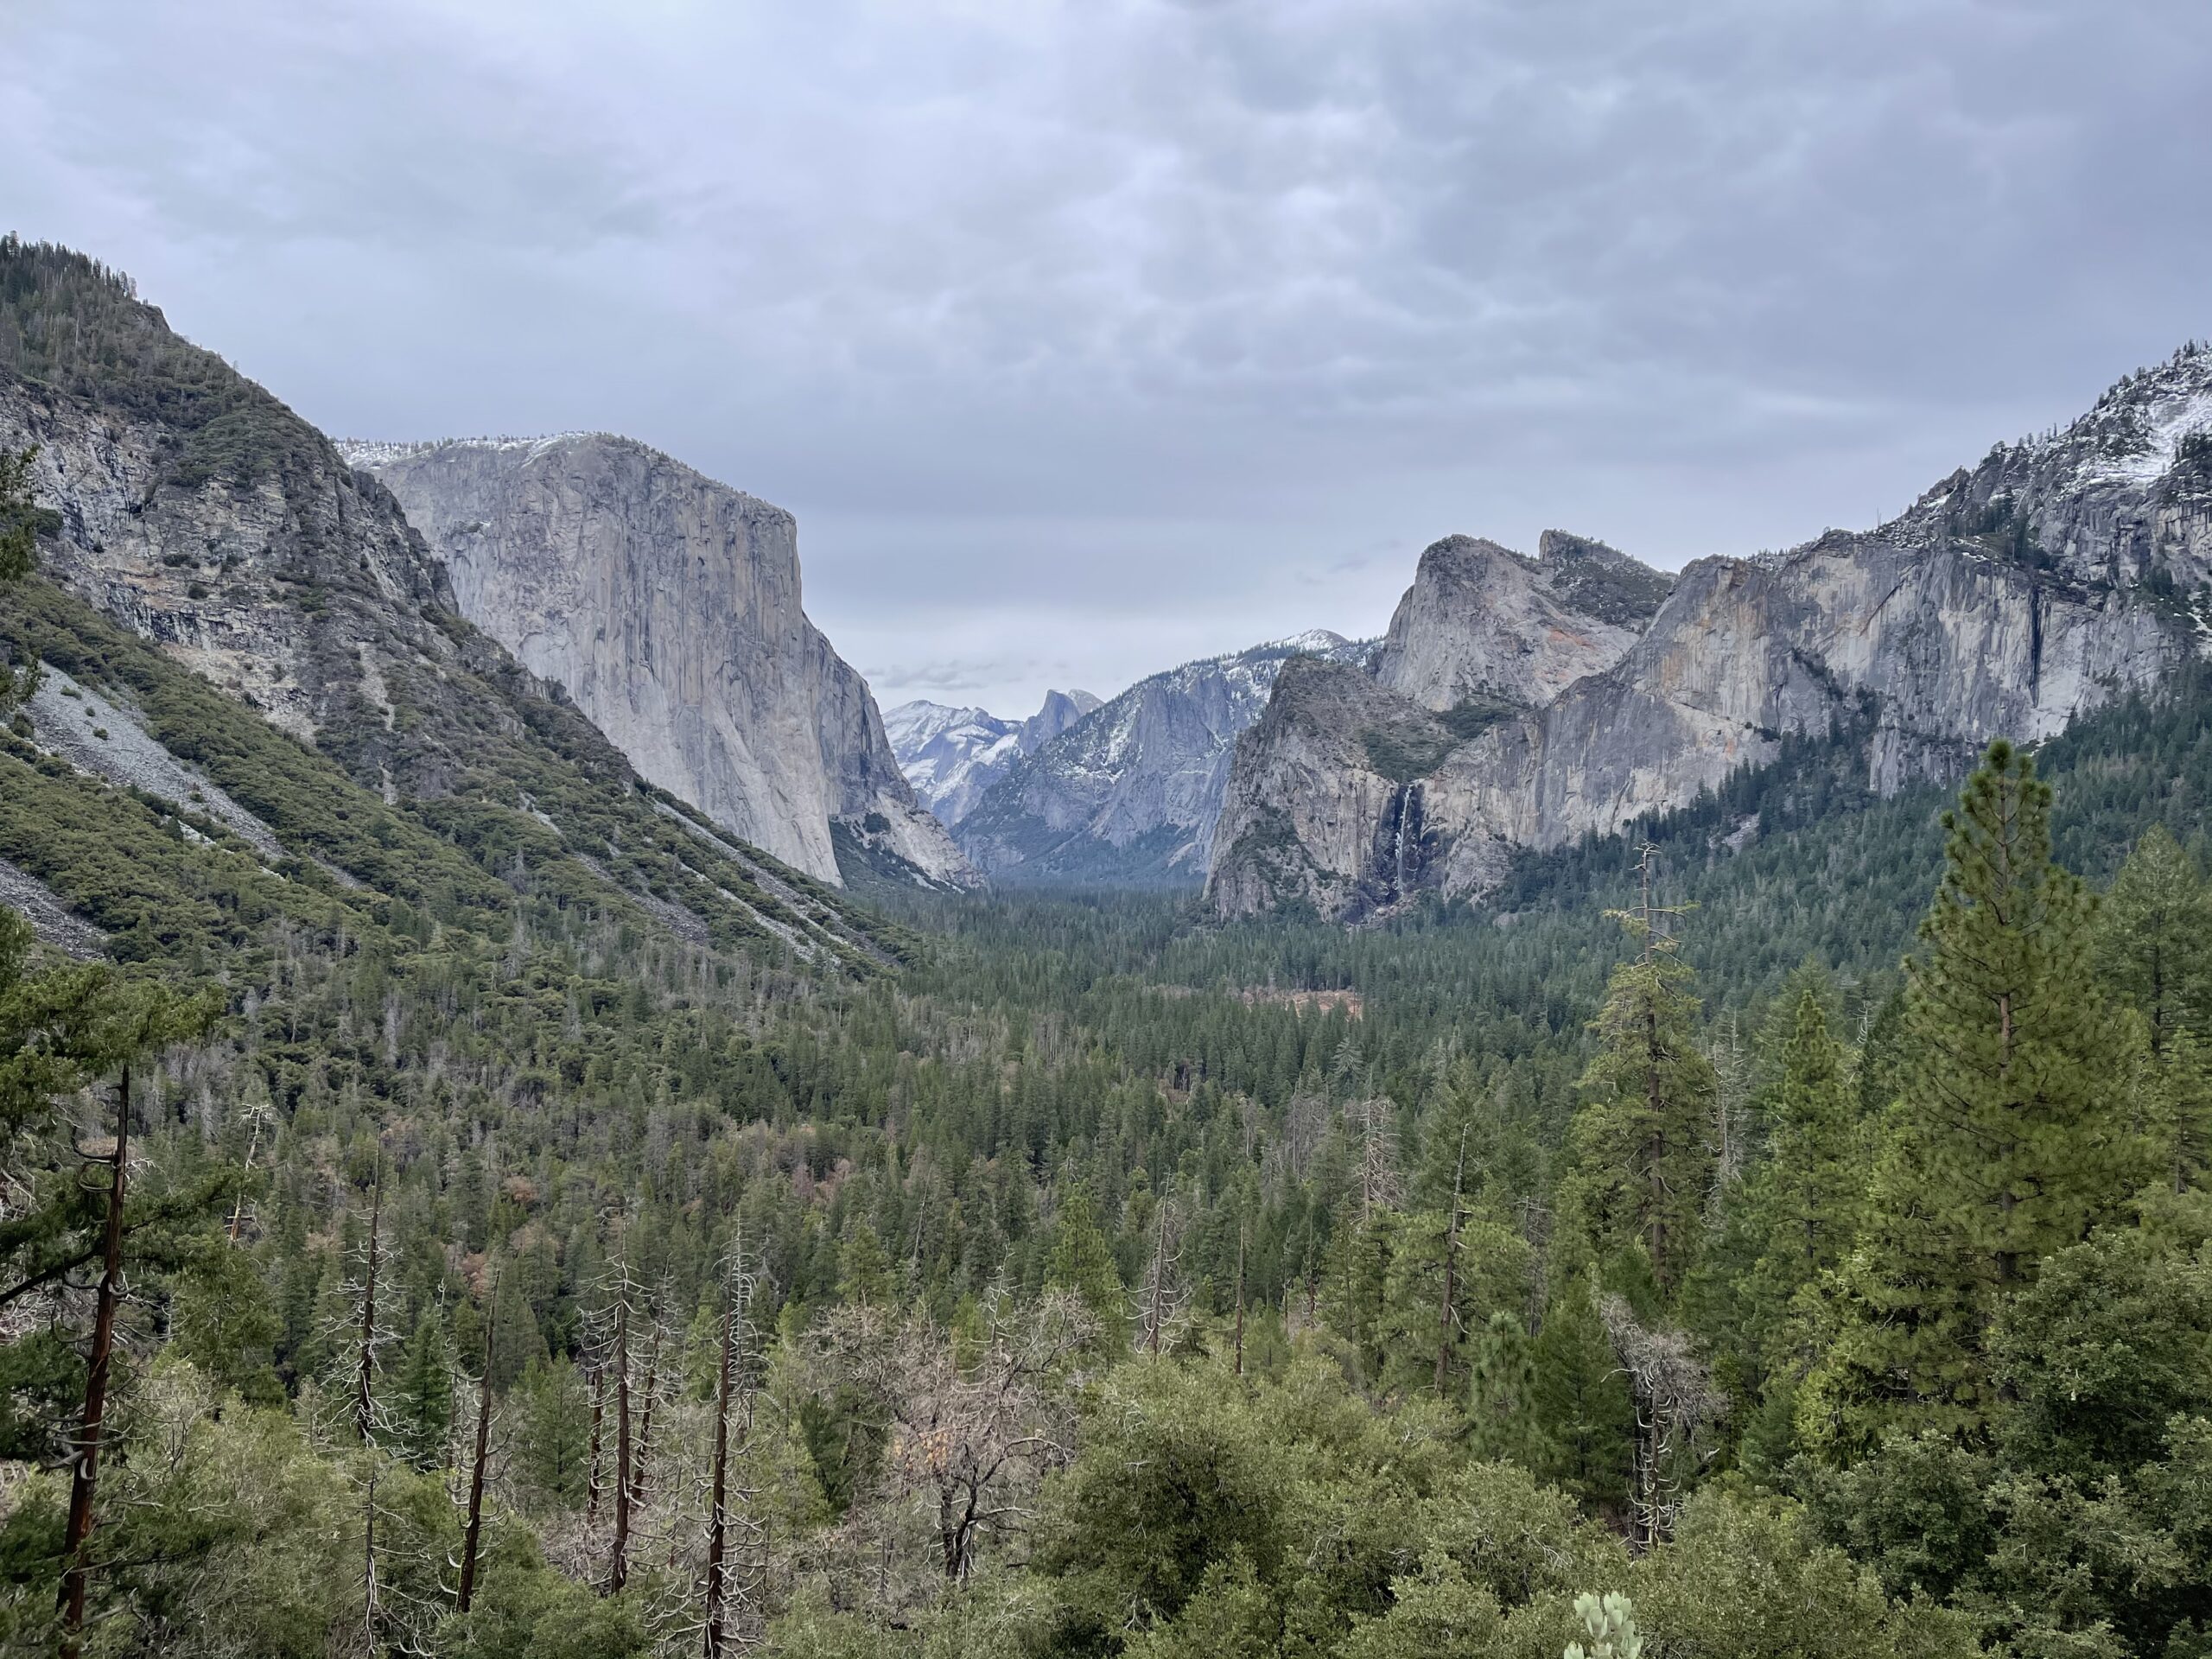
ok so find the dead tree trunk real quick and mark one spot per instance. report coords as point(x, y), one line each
point(1240, 1302)
point(618, 1554)
point(641, 1471)
point(1155, 1314)
point(598, 1418)
point(473, 1533)
point(729, 1396)
point(84, 1465)
point(371, 1612)
point(1449, 1316)
point(365, 1372)
point(237, 1209)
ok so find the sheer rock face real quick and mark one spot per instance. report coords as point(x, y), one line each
point(668, 606)
point(1482, 622)
point(2061, 572)
point(1130, 794)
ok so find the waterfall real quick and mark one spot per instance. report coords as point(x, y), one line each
point(1409, 803)
point(1398, 882)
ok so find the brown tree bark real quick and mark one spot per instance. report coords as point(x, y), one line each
point(474, 1532)
point(598, 1418)
point(618, 1554)
point(1240, 1302)
point(84, 1465)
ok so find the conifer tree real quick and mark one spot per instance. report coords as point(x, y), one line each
point(1582, 1406)
point(2009, 1142)
point(1812, 1179)
point(1082, 1262)
point(421, 1401)
point(1644, 1160)
point(2178, 1114)
point(2154, 939)
point(864, 1273)
point(1501, 1396)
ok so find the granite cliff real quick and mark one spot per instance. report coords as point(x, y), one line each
point(2013, 596)
point(667, 605)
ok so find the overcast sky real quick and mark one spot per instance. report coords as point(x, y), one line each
point(1087, 338)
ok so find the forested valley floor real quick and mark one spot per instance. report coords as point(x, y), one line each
point(1807, 1255)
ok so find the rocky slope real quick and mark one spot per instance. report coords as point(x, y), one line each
point(1130, 793)
point(952, 756)
point(187, 504)
point(2011, 598)
point(668, 606)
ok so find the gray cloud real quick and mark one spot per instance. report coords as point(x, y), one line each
point(1084, 338)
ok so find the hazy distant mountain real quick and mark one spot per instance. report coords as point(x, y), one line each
point(952, 755)
point(1130, 794)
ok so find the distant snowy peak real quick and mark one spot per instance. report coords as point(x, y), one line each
point(1315, 641)
point(951, 755)
point(1128, 794)
point(2116, 497)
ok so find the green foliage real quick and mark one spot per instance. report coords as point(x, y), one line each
point(1642, 1155)
point(543, 1057)
point(2009, 1142)
point(2154, 939)
point(1083, 1262)
point(71, 326)
point(1582, 1406)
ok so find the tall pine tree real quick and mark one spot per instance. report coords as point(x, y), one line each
point(2009, 1141)
point(1644, 1160)
point(2154, 939)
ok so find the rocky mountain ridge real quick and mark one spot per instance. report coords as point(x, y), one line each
point(668, 606)
point(2011, 598)
point(1129, 794)
point(952, 755)
point(246, 635)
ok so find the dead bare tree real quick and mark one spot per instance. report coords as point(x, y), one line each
point(472, 1531)
point(1448, 1316)
point(365, 1366)
point(260, 1116)
point(974, 1435)
point(598, 1421)
point(1375, 1121)
point(735, 1540)
point(1673, 1398)
point(613, 1329)
point(618, 1554)
point(1163, 1294)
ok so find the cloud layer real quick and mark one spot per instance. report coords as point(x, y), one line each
point(1085, 337)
